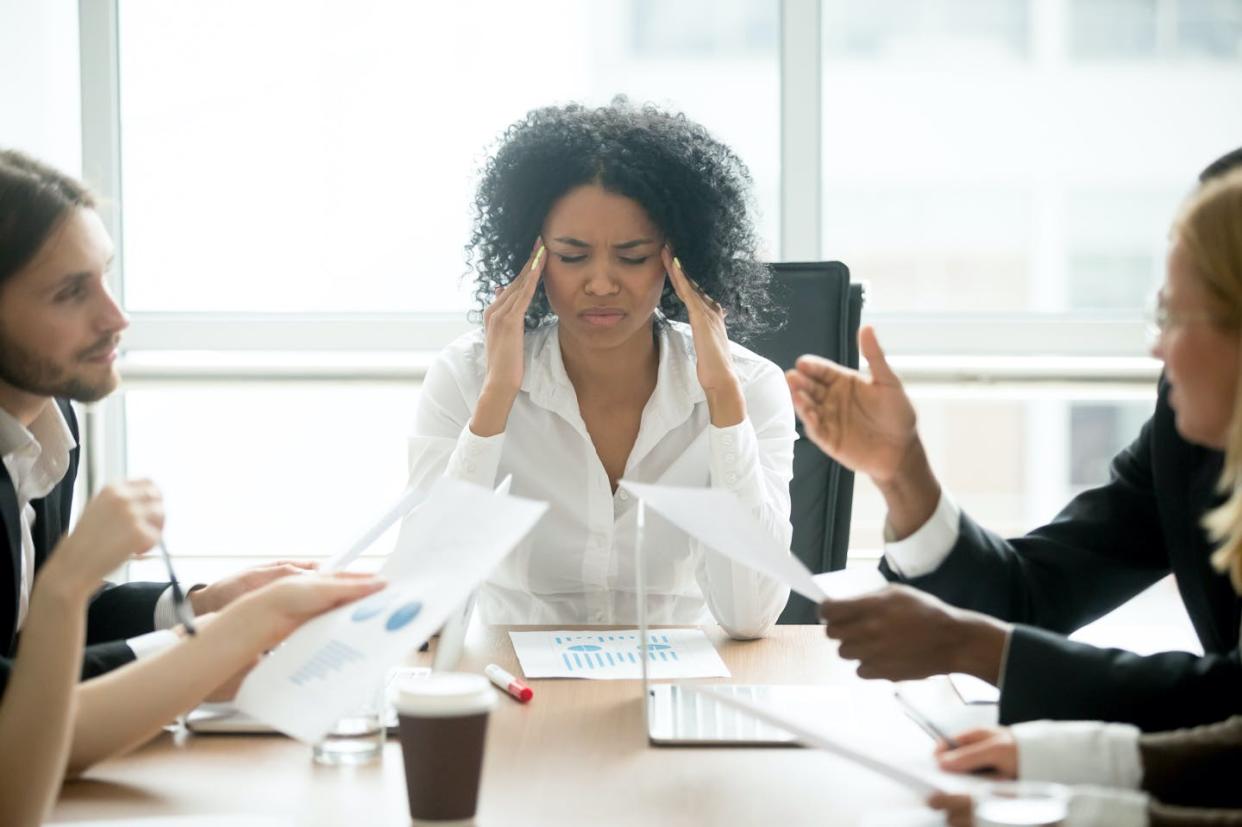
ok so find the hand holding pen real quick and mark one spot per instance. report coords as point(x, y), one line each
point(181, 606)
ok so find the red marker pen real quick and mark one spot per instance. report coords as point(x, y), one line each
point(508, 683)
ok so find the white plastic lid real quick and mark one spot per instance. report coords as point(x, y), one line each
point(444, 694)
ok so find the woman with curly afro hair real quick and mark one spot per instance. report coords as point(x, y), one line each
point(610, 247)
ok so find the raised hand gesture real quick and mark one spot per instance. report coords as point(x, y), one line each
point(865, 424)
point(868, 425)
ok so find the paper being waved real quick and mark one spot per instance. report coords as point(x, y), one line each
point(336, 662)
point(718, 519)
point(922, 781)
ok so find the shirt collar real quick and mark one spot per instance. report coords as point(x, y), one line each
point(677, 386)
point(41, 452)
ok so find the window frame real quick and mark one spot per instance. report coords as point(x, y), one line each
point(972, 350)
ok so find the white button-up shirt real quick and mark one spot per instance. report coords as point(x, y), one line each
point(37, 459)
point(577, 566)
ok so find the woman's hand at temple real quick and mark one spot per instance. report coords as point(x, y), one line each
point(504, 325)
point(711, 345)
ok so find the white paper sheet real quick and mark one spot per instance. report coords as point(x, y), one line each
point(718, 519)
point(601, 655)
point(851, 582)
point(336, 662)
point(974, 690)
point(399, 509)
point(923, 782)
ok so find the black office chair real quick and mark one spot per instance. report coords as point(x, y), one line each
point(822, 312)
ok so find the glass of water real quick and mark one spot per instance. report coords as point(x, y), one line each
point(1022, 804)
point(357, 737)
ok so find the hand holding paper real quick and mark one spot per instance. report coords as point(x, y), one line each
point(335, 662)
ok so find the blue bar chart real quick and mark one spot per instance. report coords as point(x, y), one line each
point(617, 654)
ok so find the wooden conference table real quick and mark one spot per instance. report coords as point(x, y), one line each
point(576, 754)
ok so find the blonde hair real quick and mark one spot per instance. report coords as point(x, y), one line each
point(1209, 229)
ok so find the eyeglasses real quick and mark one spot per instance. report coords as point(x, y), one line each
point(1161, 319)
point(181, 606)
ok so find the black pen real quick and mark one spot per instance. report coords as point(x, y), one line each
point(181, 606)
point(924, 722)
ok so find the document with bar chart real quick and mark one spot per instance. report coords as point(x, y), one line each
point(672, 653)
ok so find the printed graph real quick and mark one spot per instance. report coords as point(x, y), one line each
point(617, 654)
point(590, 652)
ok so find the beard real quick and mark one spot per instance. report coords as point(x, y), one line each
point(34, 374)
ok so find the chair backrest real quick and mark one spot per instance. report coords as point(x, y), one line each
point(822, 312)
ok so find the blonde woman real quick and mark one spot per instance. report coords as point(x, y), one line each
point(1199, 318)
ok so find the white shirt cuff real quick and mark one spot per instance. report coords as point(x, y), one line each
point(165, 614)
point(734, 461)
point(144, 646)
point(923, 551)
point(1079, 752)
point(475, 458)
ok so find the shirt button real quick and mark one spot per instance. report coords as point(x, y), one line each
point(470, 466)
point(730, 457)
point(732, 477)
point(623, 496)
point(728, 441)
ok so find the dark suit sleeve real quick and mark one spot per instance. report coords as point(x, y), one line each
point(1049, 676)
point(96, 660)
point(1102, 549)
point(120, 612)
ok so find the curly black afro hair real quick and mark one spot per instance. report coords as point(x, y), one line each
point(694, 188)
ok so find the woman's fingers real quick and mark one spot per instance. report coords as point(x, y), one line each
point(675, 276)
point(522, 288)
point(682, 285)
point(987, 755)
point(974, 736)
point(958, 808)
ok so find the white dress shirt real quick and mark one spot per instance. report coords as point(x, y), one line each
point(923, 551)
point(37, 459)
point(577, 566)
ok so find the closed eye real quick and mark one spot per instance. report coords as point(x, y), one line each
point(634, 261)
point(77, 291)
point(571, 259)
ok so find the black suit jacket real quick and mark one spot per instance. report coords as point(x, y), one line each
point(115, 613)
point(1107, 545)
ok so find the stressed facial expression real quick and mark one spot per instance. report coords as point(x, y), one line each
point(59, 325)
point(604, 276)
point(1200, 354)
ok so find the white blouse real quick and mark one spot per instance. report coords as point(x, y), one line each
point(577, 565)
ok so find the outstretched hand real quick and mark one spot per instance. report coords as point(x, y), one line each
point(866, 424)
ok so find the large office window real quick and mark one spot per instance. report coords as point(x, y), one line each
point(1017, 160)
point(295, 182)
point(285, 156)
point(284, 160)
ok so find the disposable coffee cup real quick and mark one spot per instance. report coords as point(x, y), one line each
point(442, 722)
